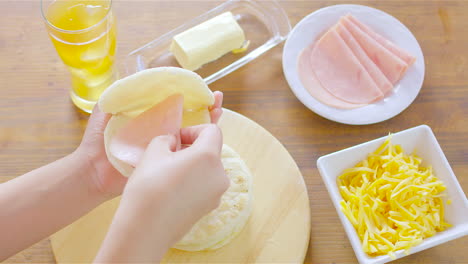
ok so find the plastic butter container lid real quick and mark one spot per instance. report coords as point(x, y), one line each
point(265, 25)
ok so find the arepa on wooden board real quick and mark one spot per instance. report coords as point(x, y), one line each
point(129, 98)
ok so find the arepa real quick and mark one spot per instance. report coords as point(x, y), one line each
point(129, 99)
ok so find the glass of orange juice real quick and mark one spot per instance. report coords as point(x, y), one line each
point(83, 33)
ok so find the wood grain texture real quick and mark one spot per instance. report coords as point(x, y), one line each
point(38, 123)
point(276, 231)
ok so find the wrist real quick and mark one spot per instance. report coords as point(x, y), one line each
point(89, 175)
point(141, 222)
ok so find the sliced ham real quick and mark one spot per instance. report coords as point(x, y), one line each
point(351, 65)
point(379, 78)
point(130, 142)
point(340, 72)
point(391, 65)
point(402, 54)
point(313, 86)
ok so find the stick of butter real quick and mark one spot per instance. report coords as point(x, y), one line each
point(207, 41)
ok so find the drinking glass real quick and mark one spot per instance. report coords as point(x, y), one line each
point(84, 35)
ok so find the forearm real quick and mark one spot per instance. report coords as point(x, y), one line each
point(43, 201)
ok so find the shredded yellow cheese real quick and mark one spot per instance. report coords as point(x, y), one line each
point(392, 201)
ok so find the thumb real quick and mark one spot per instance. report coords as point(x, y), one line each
point(161, 145)
point(98, 119)
point(95, 128)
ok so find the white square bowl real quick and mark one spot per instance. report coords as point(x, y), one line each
point(422, 141)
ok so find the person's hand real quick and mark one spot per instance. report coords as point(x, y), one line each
point(106, 179)
point(166, 194)
point(183, 185)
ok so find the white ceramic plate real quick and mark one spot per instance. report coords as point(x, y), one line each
point(313, 25)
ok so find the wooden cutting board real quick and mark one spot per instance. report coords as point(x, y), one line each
point(277, 231)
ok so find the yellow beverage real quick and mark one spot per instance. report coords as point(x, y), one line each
point(83, 33)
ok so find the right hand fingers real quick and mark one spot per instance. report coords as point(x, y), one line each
point(161, 145)
point(207, 137)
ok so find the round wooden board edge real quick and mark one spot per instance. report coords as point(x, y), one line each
point(274, 139)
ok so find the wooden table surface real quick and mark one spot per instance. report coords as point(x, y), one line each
point(38, 122)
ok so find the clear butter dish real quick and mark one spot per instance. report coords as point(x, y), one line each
point(265, 25)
